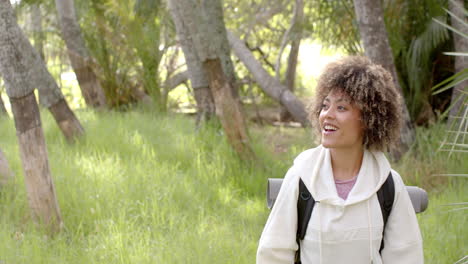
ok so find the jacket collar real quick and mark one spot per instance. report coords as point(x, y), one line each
point(315, 169)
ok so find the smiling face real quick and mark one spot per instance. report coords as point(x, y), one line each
point(340, 123)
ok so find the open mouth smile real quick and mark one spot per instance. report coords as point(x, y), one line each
point(329, 129)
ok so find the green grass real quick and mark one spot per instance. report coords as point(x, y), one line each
point(143, 188)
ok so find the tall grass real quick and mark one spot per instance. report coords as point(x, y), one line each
point(144, 188)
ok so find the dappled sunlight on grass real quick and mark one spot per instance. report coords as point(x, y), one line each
point(146, 188)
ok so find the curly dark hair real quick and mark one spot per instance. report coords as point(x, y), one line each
point(369, 87)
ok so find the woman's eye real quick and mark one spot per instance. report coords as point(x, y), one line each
point(324, 106)
point(342, 108)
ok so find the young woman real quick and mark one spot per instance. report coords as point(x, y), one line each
point(357, 113)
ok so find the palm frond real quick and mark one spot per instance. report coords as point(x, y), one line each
point(464, 54)
point(461, 21)
point(451, 82)
point(451, 28)
point(419, 61)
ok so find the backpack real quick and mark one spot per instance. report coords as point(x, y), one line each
point(305, 205)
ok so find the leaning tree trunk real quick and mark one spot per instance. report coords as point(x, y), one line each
point(369, 14)
point(206, 28)
point(50, 95)
point(460, 91)
point(79, 56)
point(197, 75)
point(6, 174)
point(294, 33)
point(17, 69)
point(269, 84)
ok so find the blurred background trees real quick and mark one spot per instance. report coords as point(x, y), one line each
point(128, 52)
point(134, 52)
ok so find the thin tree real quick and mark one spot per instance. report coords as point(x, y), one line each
point(198, 77)
point(369, 14)
point(79, 56)
point(205, 23)
point(460, 91)
point(269, 84)
point(293, 35)
point(17, 69)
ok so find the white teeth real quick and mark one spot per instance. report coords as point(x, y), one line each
point(328, 127)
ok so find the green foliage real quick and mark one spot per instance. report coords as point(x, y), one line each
point(148, 188)
point(125, 39)
point(457, 78)
point(417, 43)
point(334, 25)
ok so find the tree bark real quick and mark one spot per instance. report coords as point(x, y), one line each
point(295, 36)
point(79, 56)
point(39, 186)
point(66, 120)
point(369, 14)
point(205, 25)
point(18, 52)
point(227, 109)
point(202, 93)
point(6, 174)
point(459, 92)
point(176, 80)
point(17, 66)
point(270, 85)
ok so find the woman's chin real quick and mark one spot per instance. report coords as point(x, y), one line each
point(326, 144)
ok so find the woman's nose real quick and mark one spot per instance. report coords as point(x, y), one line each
point(329, 113)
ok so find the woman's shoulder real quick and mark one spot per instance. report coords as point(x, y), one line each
point(308, 155)
point(398, 181)
point(302, 165)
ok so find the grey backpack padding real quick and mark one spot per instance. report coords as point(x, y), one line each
point(418, 196)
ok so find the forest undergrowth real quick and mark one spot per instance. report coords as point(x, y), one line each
point(147, 188)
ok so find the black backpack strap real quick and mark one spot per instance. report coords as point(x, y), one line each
point(386, 195)
point(305, 205)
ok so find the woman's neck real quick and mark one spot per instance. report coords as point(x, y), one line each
point(346, 163)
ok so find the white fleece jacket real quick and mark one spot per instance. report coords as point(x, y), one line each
point(341, 231)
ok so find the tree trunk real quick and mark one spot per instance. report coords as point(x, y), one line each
point(66, 120)
point(17, 66)
point(6, 174)
point(227, 109)
point(198, 79)
point(205, 25)
point(79, 56)
point(35, 74)
point(51, 97)
point(369, 14)
point(3, 111)
point(270, 85)
point(36, 26)
point(296, 36)
point(142, 96)
point(459, 92)
point(39, 186)
point(176, 80)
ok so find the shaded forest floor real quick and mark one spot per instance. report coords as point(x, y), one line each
point(143, 188)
